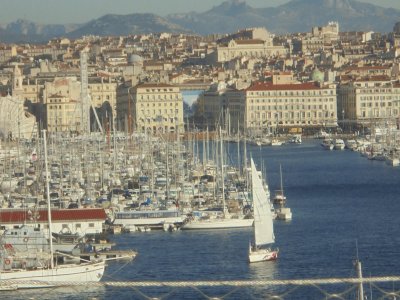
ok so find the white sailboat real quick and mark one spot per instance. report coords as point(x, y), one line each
point(36, 269)
point(263, 221)
point(280, 197)
point(282, 212)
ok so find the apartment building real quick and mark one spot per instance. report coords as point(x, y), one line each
point(279, 107)
point(151, 108)
point(61, 99)
point(369, 99)
point(271, 107)
point(7, 52)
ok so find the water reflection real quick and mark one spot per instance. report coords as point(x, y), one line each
point(266, 270)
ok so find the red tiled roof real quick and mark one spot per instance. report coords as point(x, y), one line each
point(19, 216)
point(268, 86)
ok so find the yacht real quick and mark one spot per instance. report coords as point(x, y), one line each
point(153, 219)
point(276, 142)
point(283, 213)
point(216, 219)
point(327, 144)
point(339, 144)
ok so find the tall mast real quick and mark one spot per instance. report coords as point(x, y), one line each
point(238, 151)
point(85, 102)
point(48, 198)
point(222, 169)
point(280, 171)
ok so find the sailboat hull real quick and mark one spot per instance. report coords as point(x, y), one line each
point(41, 278)
point(262, 255)
point(218, 224)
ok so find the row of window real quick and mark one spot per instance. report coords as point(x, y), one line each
point(374, 91)
point(293, 122)
point(159, 90)
point(376, 113)
point(379, 98)
point(377, 104)
point(163, 96)
point(294, 93)
point(308, 100)
point(291, 115)
point(292, 107)
point(159, 104)
point(158, 112)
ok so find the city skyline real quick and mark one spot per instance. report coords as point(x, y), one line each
point(82, 11)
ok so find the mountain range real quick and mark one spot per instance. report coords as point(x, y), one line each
point(228, 17)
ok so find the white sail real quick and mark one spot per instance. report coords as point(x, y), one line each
point(263, 220)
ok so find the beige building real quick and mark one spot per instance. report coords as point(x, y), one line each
point(367, 100)
point(329, 32)
point(267, 107)
point(279, 107)
point(151, 108)
point(62, 105)
point(7, 52)
point(251, 48)
point(62, 100)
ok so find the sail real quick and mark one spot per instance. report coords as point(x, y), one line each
point(263, 223)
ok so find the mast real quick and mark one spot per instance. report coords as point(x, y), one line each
point(204, 153)
point(85, 104)
point(238, 151)
point(222, 170)
point(280, 171)
point(48, 198)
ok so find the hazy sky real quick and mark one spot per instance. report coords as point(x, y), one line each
point(81, 11)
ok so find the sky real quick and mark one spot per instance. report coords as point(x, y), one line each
point(82, 11)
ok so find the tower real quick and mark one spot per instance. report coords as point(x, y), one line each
point(17, 89)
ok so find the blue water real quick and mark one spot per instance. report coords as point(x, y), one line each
point(341, 203)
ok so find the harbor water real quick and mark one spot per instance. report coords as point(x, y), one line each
point(344, 206)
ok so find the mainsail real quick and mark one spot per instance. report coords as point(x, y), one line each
point(263, 220)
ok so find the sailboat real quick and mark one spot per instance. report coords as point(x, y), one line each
point(280, 197)
point(36, 268)
point(263, 221)
point(282, 212)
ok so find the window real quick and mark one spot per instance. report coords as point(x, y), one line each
point(91, 225)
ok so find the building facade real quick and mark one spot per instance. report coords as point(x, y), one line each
point(254, 48)
point(364, 101)
point(279, 107)
point(155, 108)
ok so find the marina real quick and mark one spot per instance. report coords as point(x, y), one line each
point(349, 204)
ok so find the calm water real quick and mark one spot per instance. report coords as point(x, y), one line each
point(338, 199)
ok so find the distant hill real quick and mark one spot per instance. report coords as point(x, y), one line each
point(294, 16)
point(228, 17)
point(126, 25)
point(28, 31)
